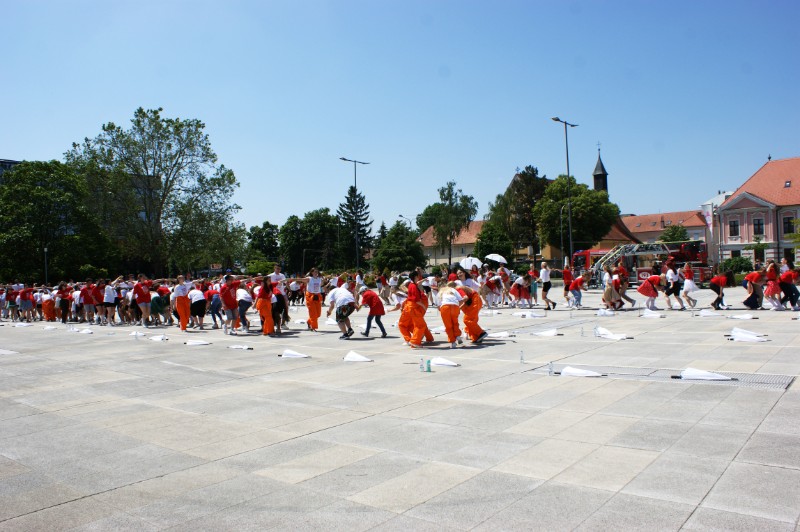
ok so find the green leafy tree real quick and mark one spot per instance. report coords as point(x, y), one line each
point(319, 232)
point(49, 206)
point(399, 250)
point(493, 239)
point(203, 230)
point(145, 177)
point(592, 214)
point(674, 233)
point(524, 192)
point(381, 234)
point(356, 226)
point(291, 244)
point(449, 216)
point(263, 241)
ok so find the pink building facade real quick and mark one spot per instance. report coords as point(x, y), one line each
point(763, 210)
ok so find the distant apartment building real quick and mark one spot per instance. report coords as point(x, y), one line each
point(463, 245)
point(648, 227)
point(763, 210)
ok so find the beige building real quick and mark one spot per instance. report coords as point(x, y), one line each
point(463, 246)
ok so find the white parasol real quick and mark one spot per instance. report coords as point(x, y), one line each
point(469, 262)
point(497, 258)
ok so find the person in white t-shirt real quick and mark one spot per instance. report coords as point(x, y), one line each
point(278, 280)
point(197, 305)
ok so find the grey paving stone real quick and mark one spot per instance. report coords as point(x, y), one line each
point(551, 506)
point(710, 520)
point(361, 475)
point(178, 433)
point(343, 515)
point(761, 491)
point(189, 506)
point(678, 478)
point(651, 434)
point(772, 449)
point(474, 501)
point(709, 441)
point(628, 512)
point(404, 523)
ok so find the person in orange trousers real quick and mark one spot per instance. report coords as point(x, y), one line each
point(406, 324)
point(418, 308)
point(182, 303)
point(264, 307)
point(49, 309)
point(471, 309)
point(427, 334)
point(450, 302)
point(314, 297)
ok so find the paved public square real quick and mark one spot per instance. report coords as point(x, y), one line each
point(108, 431)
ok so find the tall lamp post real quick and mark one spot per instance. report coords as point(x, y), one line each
point(406, 218)
point(355, 186)
point(45, 267)
point(569, 196)
point(561, 216)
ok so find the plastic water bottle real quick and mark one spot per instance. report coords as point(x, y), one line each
point(521, 357)
point(550, 368)
point(428, 365)
point(421, 364)
point(581, 330)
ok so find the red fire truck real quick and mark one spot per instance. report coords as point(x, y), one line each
point(642, 260)
point(584, 259)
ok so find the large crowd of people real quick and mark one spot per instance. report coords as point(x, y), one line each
point(458, 293)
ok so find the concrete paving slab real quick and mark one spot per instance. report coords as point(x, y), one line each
point(628, 512)
point(767, 448)
point(427, 480)
point(546, 459)
point(158, 434)
point(551, 506)
point(761, 491)
point(674, 477)
point(710, 520)
point(475, 500)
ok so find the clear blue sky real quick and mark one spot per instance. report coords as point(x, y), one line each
point(685, 97)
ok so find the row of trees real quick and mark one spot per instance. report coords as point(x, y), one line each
point(151, 197)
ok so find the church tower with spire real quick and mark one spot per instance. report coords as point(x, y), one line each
point(600, 174)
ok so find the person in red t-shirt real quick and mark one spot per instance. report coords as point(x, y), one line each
point(141, 293)
point(787, 282)
point(373, 301)
point(566, 275)
point(227, 293)
point(717, 283)
point(64, 295)
point(575, 288)
point(755, 281)
point(649, 288)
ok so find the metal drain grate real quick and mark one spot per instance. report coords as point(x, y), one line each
point(750, 380)
point(747, 380)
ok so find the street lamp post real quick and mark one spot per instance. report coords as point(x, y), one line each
point(561, 216)
point(406, 219)
point(355, 186)
point(569, 196)
point(45, 266)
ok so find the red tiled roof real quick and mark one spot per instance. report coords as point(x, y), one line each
point(646, 223)
point(620, 233)
point(769, 183)
point(467, 236)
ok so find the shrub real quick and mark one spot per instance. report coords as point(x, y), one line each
point(736, 265)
